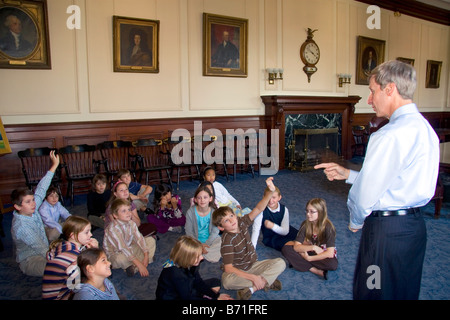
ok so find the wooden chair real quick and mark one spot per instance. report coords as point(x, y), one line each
point(211, 157)
point(2, 232)
point(376, 123)
point(151, 157)
point(117, 155)
point(360, 137)
point(35, 164)
point(229, 154)
point(177, 160)
point(246, 152)
point(80, 164)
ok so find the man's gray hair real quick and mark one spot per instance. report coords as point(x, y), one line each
point(403, 75)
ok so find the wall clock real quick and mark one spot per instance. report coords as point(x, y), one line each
point(310, 54)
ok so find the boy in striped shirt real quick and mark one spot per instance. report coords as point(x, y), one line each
point(242, 270)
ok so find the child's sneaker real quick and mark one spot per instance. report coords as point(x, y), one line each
point(275, 286)
point(244, 294)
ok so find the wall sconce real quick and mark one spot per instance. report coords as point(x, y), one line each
point(344, 79)
point(273, 74)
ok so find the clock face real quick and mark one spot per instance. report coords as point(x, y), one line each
point(311, 53)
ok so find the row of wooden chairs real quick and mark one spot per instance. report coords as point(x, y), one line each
point(149, 158)
point(82, 162)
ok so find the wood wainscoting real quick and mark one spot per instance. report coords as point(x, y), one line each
point(57, 135)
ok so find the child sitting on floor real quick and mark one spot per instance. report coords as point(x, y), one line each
point(27, 228)
point(139, 193)
point(95, 270)
point(242, 270)
point(223, 197)
point(124, 245)
point(53, 213)
point(199, 223)
point(180, 279)
point(97, 198)
point(314, 247)
point(120, 191)
point(168, 215)
point(274, 224)
point(62, 257)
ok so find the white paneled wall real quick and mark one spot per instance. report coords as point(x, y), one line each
point(81, 86)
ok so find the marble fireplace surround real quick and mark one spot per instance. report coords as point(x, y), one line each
point(278, 108)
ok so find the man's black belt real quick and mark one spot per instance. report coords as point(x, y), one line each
point(401, 212)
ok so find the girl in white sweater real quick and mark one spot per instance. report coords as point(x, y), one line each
point(223, 197)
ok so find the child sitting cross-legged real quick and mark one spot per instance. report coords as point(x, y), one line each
point(124, 245)
point(314, 248)
point(242, 270)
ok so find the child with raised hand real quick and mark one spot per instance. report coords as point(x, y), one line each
point(274, 224)
point(97, 199)
point(199, 223)
point(95, 270)
point(52, 212)
point(180, 278)
point(124, 245)
point(223, 197)
point(168, 215)
point(62, 258)
point(314, 248)
point(27, 228)
point(242, 270)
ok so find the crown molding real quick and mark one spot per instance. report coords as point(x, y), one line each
point(415, 9)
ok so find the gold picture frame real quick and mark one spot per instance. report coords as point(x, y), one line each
point(24, 39)
point(136, 45)
point(370, 53)
point(433, 74)
point(4, 144)
point(406, 60)
point(225, 46)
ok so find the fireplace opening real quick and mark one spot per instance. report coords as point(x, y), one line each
point(313, 146)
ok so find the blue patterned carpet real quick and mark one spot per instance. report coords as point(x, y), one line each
point(297, 188)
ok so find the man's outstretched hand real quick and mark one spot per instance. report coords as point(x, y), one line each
point(333, 171)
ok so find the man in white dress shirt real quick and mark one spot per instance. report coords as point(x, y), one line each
point(398, 176)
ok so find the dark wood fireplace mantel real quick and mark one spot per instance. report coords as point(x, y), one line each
point(277, 107)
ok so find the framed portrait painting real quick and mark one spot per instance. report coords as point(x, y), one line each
point(136, 45)
point(370, 53)
point(406, 60)
point(225, 41)
point(24, 40)
point(433, 74)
